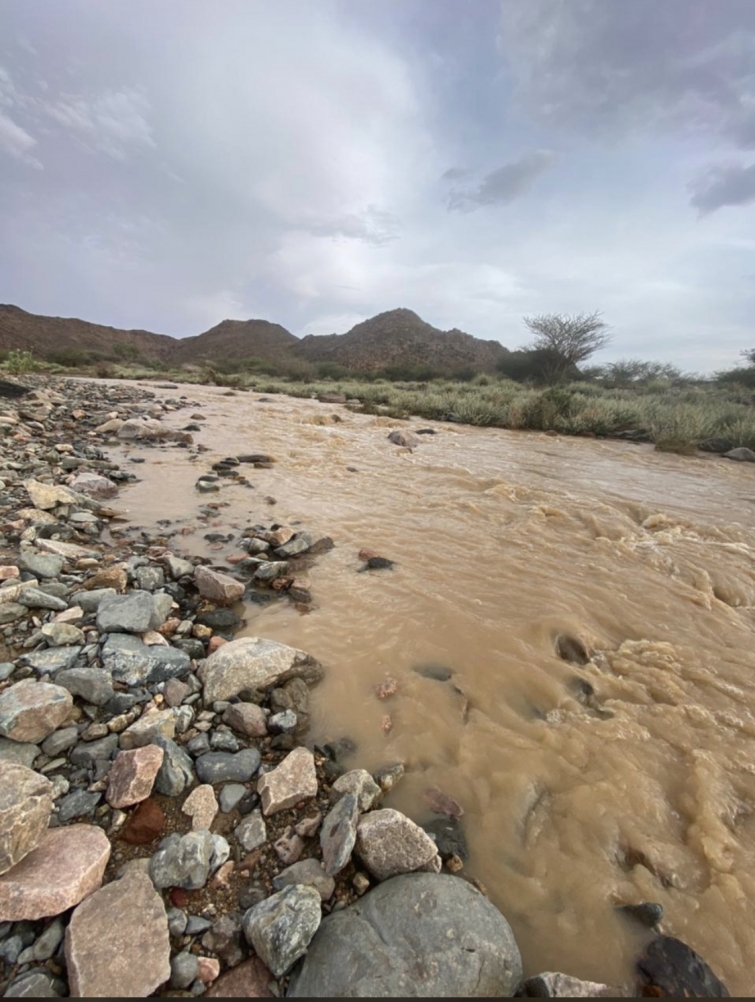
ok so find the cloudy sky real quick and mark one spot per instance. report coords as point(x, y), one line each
point(166, 165)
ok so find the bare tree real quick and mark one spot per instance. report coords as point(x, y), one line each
point(748, 354)
point(567, 340)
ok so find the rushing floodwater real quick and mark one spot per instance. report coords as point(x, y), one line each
point(503, 541)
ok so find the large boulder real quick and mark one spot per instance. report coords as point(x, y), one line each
point(66, 866)
point(419, 935)
point(135, 663)
point(255, 664)
point(25, 809)
point(117, 943)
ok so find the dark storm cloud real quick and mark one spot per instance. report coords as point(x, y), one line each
point(503, 184)
point(730, 184)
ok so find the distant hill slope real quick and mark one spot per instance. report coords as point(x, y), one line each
point(396, 339)
point(47, 336)
point(235, 339)
point(401, 338)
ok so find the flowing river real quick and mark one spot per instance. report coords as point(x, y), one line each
point(630, 778)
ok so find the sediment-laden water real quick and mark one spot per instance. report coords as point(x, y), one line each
point(630, 778)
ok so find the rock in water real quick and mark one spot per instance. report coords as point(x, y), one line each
point(418, 935)
point(281, 927)
point(551, 985)
point(742, 455)
point(31, 710)
point(217, 587)
point(253, 663)
point(404, 438)
point(25, 809)
point(67, 865)
point(389, 843)
point(670, 969)
point(117, 943)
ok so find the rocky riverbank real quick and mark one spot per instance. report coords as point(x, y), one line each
point(166, 824)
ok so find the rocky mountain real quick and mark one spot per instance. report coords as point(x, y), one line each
point(48, 336)
point(235, 339)
point(399, 338)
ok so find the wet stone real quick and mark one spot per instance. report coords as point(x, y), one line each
point(223, 767)
point(448, 835)
point(338, 833)
point(281, 928)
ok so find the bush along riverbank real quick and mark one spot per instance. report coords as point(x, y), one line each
point(166, 824)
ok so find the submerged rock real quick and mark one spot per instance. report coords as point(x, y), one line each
point(418, 935)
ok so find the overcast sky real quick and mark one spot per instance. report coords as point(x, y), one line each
point(164, 165)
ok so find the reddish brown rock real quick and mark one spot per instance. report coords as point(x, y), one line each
point(217, 587)
point(65, 868)
point(208, 969)
point(145, 824)
point(249, 980)
point(246, 718)
point(132, 776)
point(108, 577)
point(117, 943)
point(292, 781)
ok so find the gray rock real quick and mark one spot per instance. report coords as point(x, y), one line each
point(133, 662)
point(35, 598)
point(281, 928)
point(282, 723)
point(149, 578)
point(308, 872)
point(361, 784)
point(183, 861)
point(179, 567)
point(741, 454)
point(41, 565)
point(60, 741)
point(226, 939)
point(230, 796)
point(77, 805)
point(89, 601)
point(53, 660)
point(45, 946)
point(30, 710)
point(196, 925)
point(88, 752)
point(224, 741)
point(223, 767)
point(339, 833)
point(176, 774)
point(35, 984)
point(269, 570)
point(184, 968)
point(135, 612)
point(25, 809)
point(93, 685)
point(418, 935)
point(18, 752)
point(301, 542)
point(10, 612)
point(176, 921)
point(63, 635)
point(6, 670)
point(251, 832)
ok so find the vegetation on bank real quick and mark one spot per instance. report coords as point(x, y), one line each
point(635, 401)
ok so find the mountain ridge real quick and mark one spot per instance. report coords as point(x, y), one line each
point(397, 338)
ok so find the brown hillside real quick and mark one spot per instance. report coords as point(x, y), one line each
point(401, 338)
point(235, 340)
point(47, 336)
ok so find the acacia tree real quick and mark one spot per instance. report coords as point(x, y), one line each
point(565, 341)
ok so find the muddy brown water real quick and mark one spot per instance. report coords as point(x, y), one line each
point(503, 541)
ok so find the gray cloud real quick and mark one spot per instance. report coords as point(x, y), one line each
point(454, 173)
point(609, 67)
point(373, 226)
point(504, 184)
point(725, 184)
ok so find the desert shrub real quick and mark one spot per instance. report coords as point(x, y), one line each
point(19, 362)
